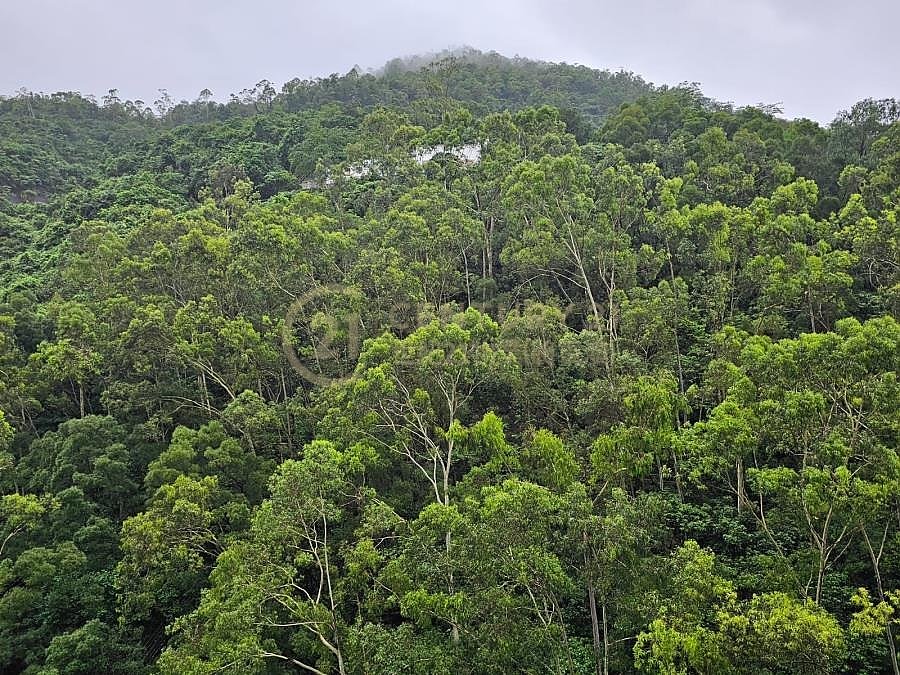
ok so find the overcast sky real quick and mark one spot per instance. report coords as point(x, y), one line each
point(814, 56)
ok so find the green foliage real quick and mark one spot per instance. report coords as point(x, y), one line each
point(475, 366)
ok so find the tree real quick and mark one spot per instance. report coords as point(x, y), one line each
point(551, 202)
point(685, 637)
point(283, 578)
point(89, 453)
point(20, 513)
point(702, 628)
point(168, 551)
point(810, 281)
point(72, 359)
point(854, 130)
point(614, 540)
point(412, 394)
point(95, 647)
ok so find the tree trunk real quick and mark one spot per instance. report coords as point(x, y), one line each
point(572, 246)
point(599, 659)
point(820, 576)
point(204, 389)
point(590, 294)
point(677, 471)
point(340, 663)
point(468, 288)
point(892, 647)
point(454, 629)
point(605, 641)
point(81, 398)
point(611, 320)
point(876, 566)
point(491, 249)
point(812, 316)
point(287, 415)
point(731, 288)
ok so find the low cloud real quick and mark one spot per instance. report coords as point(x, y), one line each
point(815, 57)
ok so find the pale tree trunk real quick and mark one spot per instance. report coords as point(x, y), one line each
point(599, 652)
point(336, 648)
point(446, 468)
point(592, 605)
point(8, 537)
point(81, 398)
point(677, 471)
point(820, 574)
point(575, 253)
point(605, 641)
point(812, 316)
point(876, 567)
point(567, 647)
point(611, 303)
point(589, 291)
point(288, 423)
point(824, 547)
point(454, 629)
point(204, 389)
point(490, 249)
point(731, 290)
point(468, 288)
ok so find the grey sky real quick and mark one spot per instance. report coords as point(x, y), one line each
point(815, 56)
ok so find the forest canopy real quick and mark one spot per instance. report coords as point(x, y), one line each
point(469, 365)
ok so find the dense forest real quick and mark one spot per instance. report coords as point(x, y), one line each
point(474, 365)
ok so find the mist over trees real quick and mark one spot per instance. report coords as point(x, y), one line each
point(467, 365)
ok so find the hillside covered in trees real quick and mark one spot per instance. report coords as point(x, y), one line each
point(480, 366)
